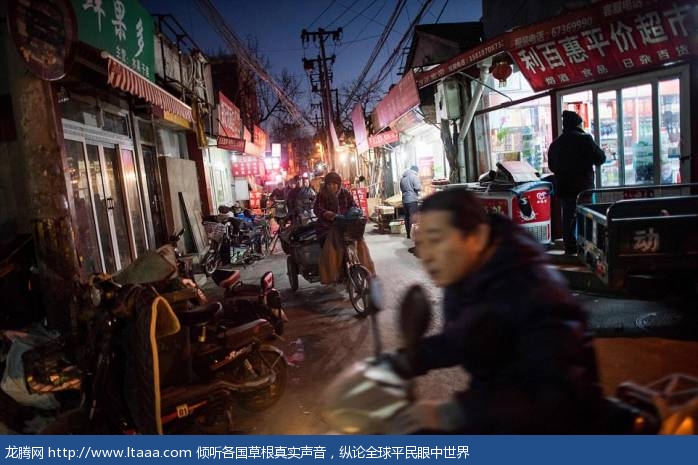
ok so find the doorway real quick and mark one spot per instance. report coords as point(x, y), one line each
point(110, 224)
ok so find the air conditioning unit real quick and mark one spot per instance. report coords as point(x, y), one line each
point(448, 105)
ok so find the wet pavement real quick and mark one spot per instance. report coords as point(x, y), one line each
point(635, 339)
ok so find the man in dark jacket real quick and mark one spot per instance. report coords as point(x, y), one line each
point(572, 157)
point(509, 321)
point(410, 187)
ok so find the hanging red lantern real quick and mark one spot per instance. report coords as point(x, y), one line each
point(501, 71)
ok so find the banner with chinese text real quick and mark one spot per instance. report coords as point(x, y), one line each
point(361, 198)
point(379, 140)
point(121, 27)
point(629, 36)
point(248, 166)
point(401, 99)
point(229, 121)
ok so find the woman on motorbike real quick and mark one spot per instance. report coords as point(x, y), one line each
point(335, 200)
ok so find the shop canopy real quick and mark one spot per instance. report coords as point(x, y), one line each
point(607, 39)
point(124, 78)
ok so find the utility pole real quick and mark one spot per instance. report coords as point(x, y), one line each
point(321, 35)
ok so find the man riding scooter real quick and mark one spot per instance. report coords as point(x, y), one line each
point(510, 322)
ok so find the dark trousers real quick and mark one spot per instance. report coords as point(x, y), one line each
point(410, 210)
point(569, 224)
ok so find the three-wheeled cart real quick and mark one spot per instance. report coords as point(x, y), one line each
point(639, 231)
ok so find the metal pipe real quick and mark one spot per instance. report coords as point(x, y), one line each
point(468, 117)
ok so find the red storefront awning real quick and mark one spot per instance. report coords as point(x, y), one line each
point(124, 78)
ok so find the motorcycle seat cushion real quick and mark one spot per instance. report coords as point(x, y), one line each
point(226, 278)
point(200, 316)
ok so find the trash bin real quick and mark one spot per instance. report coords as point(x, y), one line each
point(516, 190)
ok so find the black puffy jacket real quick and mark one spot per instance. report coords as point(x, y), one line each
point(572, 157)
point(517, 330)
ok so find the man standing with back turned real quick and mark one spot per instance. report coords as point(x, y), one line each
point(571, 157)
point(410, 187)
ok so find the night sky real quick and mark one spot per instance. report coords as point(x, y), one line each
point(277, 25)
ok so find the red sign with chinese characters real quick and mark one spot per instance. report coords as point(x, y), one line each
point(401, 99)
point(229, 122)
point(248, 166)
point(630, 36)
point(605, 39)
point(361, 198)
point(230, 143)
point(387, 137)
point(260, 138)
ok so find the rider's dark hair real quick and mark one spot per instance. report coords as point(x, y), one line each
point(466, 210)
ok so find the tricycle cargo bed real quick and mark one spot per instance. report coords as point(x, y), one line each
point(648, 236)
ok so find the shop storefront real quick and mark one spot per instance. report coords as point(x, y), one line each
point(626, 67)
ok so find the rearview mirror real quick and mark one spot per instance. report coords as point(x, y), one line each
point(415, 315)
point(267, 281)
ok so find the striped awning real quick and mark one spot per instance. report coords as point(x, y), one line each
point(124, 78)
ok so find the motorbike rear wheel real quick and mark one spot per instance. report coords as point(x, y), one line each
point(268, 360)
point(210, 262)
point(358, 288)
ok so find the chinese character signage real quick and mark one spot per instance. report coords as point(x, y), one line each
point(45, 35)
point(401, 99)
point(248, 166)
point(628, 37)
point(387, 137)
point(121, 27)
point(361, 198)
point(606, 39)
point(229, 122)
point(260, 138)
point(230, 143)
point(359, 123)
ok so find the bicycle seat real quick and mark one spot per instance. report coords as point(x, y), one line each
point(226, 278)
point(200, 316)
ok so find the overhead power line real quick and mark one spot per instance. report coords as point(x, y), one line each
point(216, 21)
point(376, 50)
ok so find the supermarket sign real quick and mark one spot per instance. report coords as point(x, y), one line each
point(607, 39)
point(629, 37)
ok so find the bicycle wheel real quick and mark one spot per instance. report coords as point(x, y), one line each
point(358, 287)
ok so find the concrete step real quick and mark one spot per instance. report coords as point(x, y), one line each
point(578, 275)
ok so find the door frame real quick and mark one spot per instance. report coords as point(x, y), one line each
point(85, 134)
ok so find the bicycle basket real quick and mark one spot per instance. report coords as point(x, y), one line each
point(214, 231)
point(352, 229)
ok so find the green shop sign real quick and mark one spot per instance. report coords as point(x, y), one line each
point(121, 27)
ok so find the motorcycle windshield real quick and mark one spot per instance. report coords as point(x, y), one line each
point(148, 268)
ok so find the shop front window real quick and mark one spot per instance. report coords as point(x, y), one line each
point(669, 130)
point(520, 132)
point(638, 134)
point(608, 138)
point(639, 129)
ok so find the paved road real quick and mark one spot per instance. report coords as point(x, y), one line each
point(324, 324)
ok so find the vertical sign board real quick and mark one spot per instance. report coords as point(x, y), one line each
point(361, 198)
point(121, 27)
point(229, 121)
point(359, 123)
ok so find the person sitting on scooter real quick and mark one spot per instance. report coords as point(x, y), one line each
point(335, 200)
point(509, 320)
